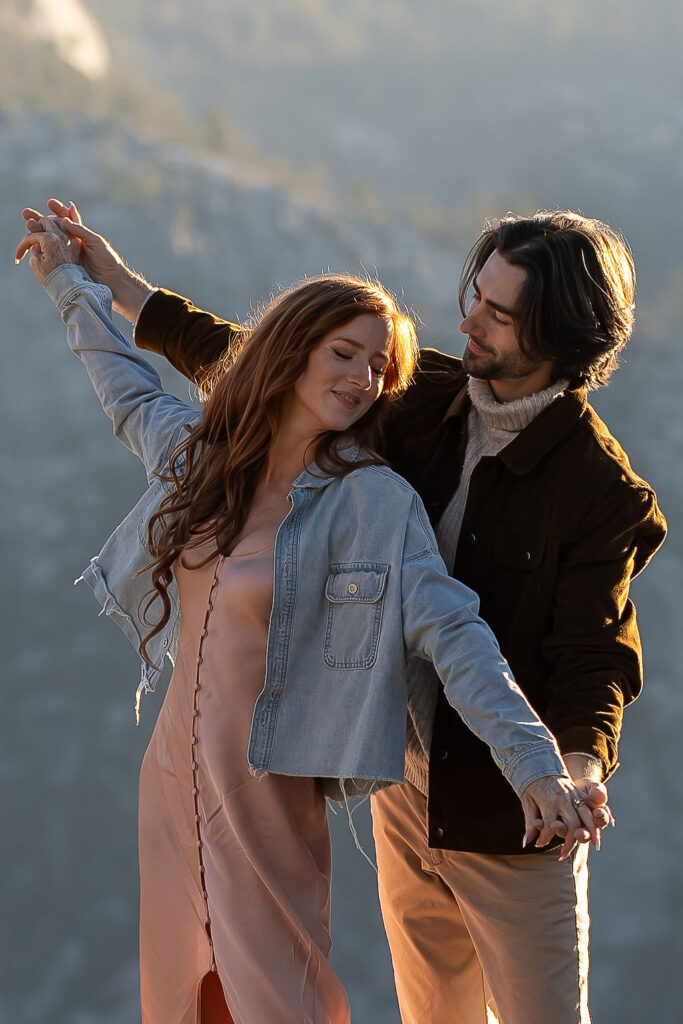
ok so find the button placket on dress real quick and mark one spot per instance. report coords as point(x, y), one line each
point(195, 763)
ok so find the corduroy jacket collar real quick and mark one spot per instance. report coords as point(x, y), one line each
point(543, 434)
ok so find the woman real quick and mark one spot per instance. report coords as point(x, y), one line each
point(319, 580)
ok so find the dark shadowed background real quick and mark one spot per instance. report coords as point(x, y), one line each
point(226, 149)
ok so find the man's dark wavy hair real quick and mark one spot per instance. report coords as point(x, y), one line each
point(577, 306)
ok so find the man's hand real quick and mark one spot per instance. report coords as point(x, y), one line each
point(100, 259)
point(554, 805)
point(49, 249)
point(586, 772)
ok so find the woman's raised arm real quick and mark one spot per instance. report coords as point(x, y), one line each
point(166, 323)
point(146, 419)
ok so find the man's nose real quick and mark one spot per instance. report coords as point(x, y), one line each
point(471, 323)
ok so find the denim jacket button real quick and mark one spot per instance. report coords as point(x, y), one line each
point(353, 588)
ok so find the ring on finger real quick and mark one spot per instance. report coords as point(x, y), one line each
point(578, 801)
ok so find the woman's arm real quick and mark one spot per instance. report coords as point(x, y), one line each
point(190, 338)
point(145, 418)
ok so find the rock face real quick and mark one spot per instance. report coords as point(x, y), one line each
point(69, 754)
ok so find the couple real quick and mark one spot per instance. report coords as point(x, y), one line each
point(297, 556)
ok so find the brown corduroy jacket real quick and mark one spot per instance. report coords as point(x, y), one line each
point(555, 528)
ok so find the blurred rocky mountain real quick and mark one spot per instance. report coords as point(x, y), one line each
point(282, 174)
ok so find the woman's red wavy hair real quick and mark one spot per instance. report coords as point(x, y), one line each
point(214, 471)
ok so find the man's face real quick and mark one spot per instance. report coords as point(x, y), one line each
point(492, 352)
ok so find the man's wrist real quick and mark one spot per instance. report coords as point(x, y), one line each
point(130, 294)
point(584, 766)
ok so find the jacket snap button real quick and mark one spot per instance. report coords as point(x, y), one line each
point(353, 588)
point(439, 833)
point(527, 556)
point(443, 755)
point(472, 537)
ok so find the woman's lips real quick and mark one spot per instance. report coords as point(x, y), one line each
point(347, 399)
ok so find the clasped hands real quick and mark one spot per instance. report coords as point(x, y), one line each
point(576, 811)
point(62, 237)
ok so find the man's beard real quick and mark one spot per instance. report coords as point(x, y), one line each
point(511, 366)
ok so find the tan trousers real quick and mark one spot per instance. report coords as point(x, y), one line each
point(475, 938)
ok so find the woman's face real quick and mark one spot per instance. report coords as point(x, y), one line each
point(344, 375)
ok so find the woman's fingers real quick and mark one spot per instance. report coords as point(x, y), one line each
point(531, 831)
point(27, 242)
point(49, 249)
point(554, 806)
point(586, 816)
point(37, 228)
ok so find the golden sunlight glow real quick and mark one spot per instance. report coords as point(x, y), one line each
point(76, 35)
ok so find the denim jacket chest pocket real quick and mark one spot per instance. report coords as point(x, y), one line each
point(355, 604)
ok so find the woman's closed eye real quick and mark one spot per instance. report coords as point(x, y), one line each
point(377, 371)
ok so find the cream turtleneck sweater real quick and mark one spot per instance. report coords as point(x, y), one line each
point(491, 425)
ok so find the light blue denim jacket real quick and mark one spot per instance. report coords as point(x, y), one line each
point(359, 586)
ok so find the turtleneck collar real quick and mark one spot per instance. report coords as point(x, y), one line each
point(510, 417)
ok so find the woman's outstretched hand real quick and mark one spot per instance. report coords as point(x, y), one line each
point(49, 248)
point(556, 806)
point(100, 259)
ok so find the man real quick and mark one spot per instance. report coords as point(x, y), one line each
point(536, 507)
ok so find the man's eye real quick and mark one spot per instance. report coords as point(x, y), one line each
point(499, 320)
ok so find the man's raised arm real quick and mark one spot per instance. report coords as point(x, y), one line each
point(190, 338)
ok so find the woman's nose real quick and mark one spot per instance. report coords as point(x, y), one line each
point(361, 377)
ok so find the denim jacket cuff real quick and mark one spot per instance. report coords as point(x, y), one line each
point(67, 279)
point(533, 762)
